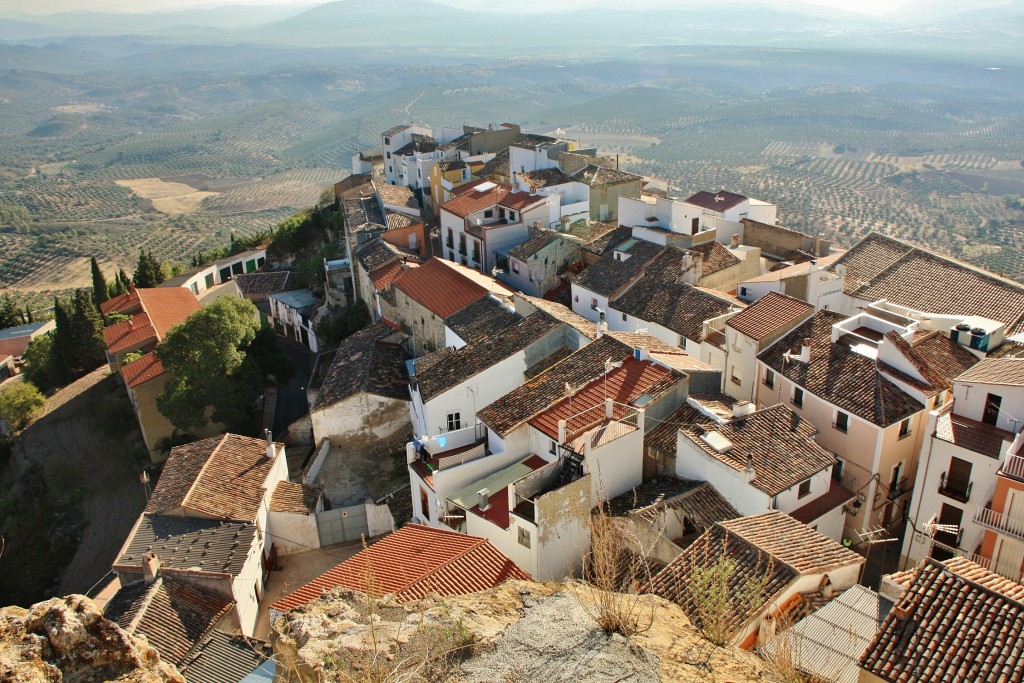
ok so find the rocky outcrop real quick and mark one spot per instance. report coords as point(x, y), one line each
point(520, 631)
point(68, 640)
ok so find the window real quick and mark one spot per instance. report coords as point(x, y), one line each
point(736, 376)
point(623, 317)
point(424, 504)
point(769, 378)
point(387, 141)
point(462, 244)
point(905, 428)
point(524, 537)
point(515, 266)
point(451, 239)
point(389, 155)
point(593, 304)
point(804, 489)
point(842, 421)
point(476, 251)
point(694, 224)
point(743, 291)
point(837, 470)
point(798, 397)
point(576, 298)
point(489, 213)
point(511, 215)
point(501, 212)
point(992, 405)
point(454, 421)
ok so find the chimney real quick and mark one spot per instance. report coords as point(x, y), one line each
point(271, 451)
point(748, 471)
point(641, 353)
point(150, 567)
point(741, 409)
point(485, 499)
point(602, 325)
point(691, 269)
point(735, 241)
point(805, 350)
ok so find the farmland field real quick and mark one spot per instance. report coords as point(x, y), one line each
point(106, 162)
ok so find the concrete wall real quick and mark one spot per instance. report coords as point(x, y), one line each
point(604, 201)
point(361, 422)
point(563, 535)
point(777, 242)
point(292, 532)
point(970, 402)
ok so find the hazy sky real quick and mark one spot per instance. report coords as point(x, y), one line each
point(880, 7)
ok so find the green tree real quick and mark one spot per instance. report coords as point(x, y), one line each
point(123, 282)
point(18, 401)
point(88, 347)
point(99, 284)
point(206, 358)
point(63, 340)
point(148, 272)
point(29, 318)
point(42, 367)
point(10, 315)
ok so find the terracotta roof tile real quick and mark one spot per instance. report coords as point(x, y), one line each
point(142, 370)
point(623, 385)
point(797, 269)
point(972, 435)
point(440, 289)
point(469, 200)
point(880, 267)
point(290, 496)
point(483, 318)
point(385, 275)
point(370, 361)
point(950, 627)
point(715, 257)
point(608, 276)
point(548, 387)
point(172, 614)
point(701, 502)
point(780, 442)
point(519, 201)
point(769, 314)
point(599, 176)
point(154, 312)
point(223, 476)
point(411, 563)
point(1009, 371)
point(792, 543)
point(262, 283)
point(545, 177)
point(224, 658)
point(209, 545)
point(376, 254)
point(126, 334)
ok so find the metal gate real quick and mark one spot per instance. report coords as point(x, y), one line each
point(342, 525)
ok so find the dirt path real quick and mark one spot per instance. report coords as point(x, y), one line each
point(69, 432)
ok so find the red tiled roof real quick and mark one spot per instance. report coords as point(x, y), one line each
point(142, 370)
point(413, 562)
point(768, 314)
point(384, 276)
point(470, 200)
point(128, 333)
point(154, 312)
point(623, 385)
point(440, 289)
point(520, 200)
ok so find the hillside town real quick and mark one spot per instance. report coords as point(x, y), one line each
point(812, 452)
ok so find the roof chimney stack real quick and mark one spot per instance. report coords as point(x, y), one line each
point(485, 499)
point(271, 451)
point(150, 567)
point(805, 350)
point(748, 472)
point(741, 409)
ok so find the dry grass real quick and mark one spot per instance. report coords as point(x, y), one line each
point(166, 197)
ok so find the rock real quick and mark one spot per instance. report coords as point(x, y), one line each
point(68, 640)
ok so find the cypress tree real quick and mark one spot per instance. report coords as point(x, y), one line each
point(147, 271)
point(28, 314)
point(99, 284)
point(10, 315)
point(87, 334)
point(63, 340)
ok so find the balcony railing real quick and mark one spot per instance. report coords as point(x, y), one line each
point(1000, 523)
point(957, 489)
point(900, 489)
point(1013, 467)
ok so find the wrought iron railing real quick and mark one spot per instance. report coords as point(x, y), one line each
point(957, 489)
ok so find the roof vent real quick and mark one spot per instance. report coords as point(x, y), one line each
point(485, 499)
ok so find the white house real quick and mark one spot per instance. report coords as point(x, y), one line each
point(815, 282)
point(292, 314)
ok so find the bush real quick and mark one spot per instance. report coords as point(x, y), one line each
point(18, 402)
point(331, 330)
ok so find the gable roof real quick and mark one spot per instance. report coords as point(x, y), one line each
point(439, 289)
point(262, 283)
point(411, 563)
point(375, 254)
point(842, 377)
point(367, 361)
point(544, 389)
point(779, 442)
point(208, 545)
point(607, 276)
point(291, 496)
point(223, 477)
point(154, 312)
point(623, 385)
point(607, 240)
point(803, 268)
point(454, 366)
point(950, 627)
point(142, 370)
point(483, 318)
point(658, 297)
point(535, 243)
point(829, 642)
point(471, 199)
point(768, 314)
point(173, 614)
point(715, 201)
point(715, 257)
point(600, 176)
point(881, 267)
point(1008, 371)
point(701, 502)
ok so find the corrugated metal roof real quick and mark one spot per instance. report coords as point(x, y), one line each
point(829, 642)
point(469, 496)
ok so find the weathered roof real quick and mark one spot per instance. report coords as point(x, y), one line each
point(715, 201)
point(395, 130)
point(792, 543)
point(369, 361)
point(769, 314)
point(531, 140)
point(223, 477)
point(397, 195)
point(297, 299)
point(537, 394)
point(483, 318)
point(607, 241)
point(972, 435)
point(950, 627)
point(537, 241)
point(223, 658)
point(715, 257)
point(797, 269)
point(545, 177)
point(208, 545)
point(290, 496)
point(412, 563)
point(375, 254)
point(698, 500)
point(936, 357)
point(836, 374)
point(561, 313)
point(262, 283)
point(440, 289)
point(624, 385)
point(829, 642)
point(659, 297)
point(600, 176)
point(473, 199)
point(778, 440)
point(496, 166)
point(1009, 371)
point(607, 275)
point(173, 614)
point(458, 365)
point(881, 267)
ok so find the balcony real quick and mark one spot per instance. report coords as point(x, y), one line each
point(899, 490)
point(1000, 523)
point(1013, 467)
point(957, 489)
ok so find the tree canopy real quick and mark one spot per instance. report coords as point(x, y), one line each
point(18, 401)
point(148, 272)
point(219, 363)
